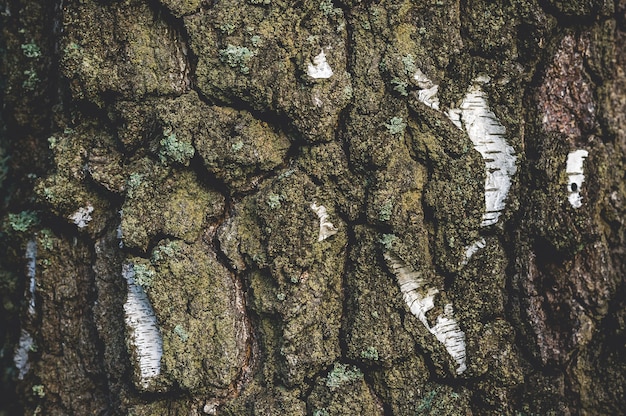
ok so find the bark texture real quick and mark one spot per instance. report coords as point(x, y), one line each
point(262, 207)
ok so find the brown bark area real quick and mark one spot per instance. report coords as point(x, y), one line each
point(184, 148)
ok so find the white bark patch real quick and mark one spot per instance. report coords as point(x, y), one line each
point(119, 232)
point(422, 80)
point(20, 358)
point(428, 90)
point(327, 228)
point(82, 217)
point(319, 68)
point(31, 257)
point(473, 249)
point(419, 296)
point(429, 96)
point(449, 333)
point(144, 329)
point(487, 134)
point(575, 176)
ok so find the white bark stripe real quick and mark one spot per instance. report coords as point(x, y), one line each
point(144, 328)
point(420, 299)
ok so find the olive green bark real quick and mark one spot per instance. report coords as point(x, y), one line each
point(258, 170)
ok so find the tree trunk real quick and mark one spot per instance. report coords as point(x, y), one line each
point(252, 207)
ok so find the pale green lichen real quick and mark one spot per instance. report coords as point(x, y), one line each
point(237, 146)
point(168, 249)
point(384, 214)
point(237, 57)
point(182, 334)
point(133, 182)
point(396, 125)
point(409, 64)
point(273, 200)
point(52, 142)
point(427, 401)
point(45, 239)
point(388, 240)
point(227, 28)
point(39, 391)
point(370, 353)
point(23, 221)
point(144, 275)
point(328, 9)
point(173, 149)
point(342, 374)
point(400, 86)
point(31, 50)
point(31, 81)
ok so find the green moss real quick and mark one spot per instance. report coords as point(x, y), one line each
point(151, 52)
point(182, 7)
point(342, 392)
point(233, 145)
point(174, 204)
point(203, 330)
point(283, 244)
point(272, 76)
point(67, 188)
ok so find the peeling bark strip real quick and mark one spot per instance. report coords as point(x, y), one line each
point(420, 300)
point(327, 228)
point(144, 329)
point(319, 69)
point(20, 358)
point(473, 249)
point(575, 176)
point(31, 256)
point(82, 217)
point(487, 133)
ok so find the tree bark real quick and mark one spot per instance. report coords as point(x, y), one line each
point(259, 207)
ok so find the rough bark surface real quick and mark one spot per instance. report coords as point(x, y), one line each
point(262, 207)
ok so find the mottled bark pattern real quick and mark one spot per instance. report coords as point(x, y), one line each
point(325, 207)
